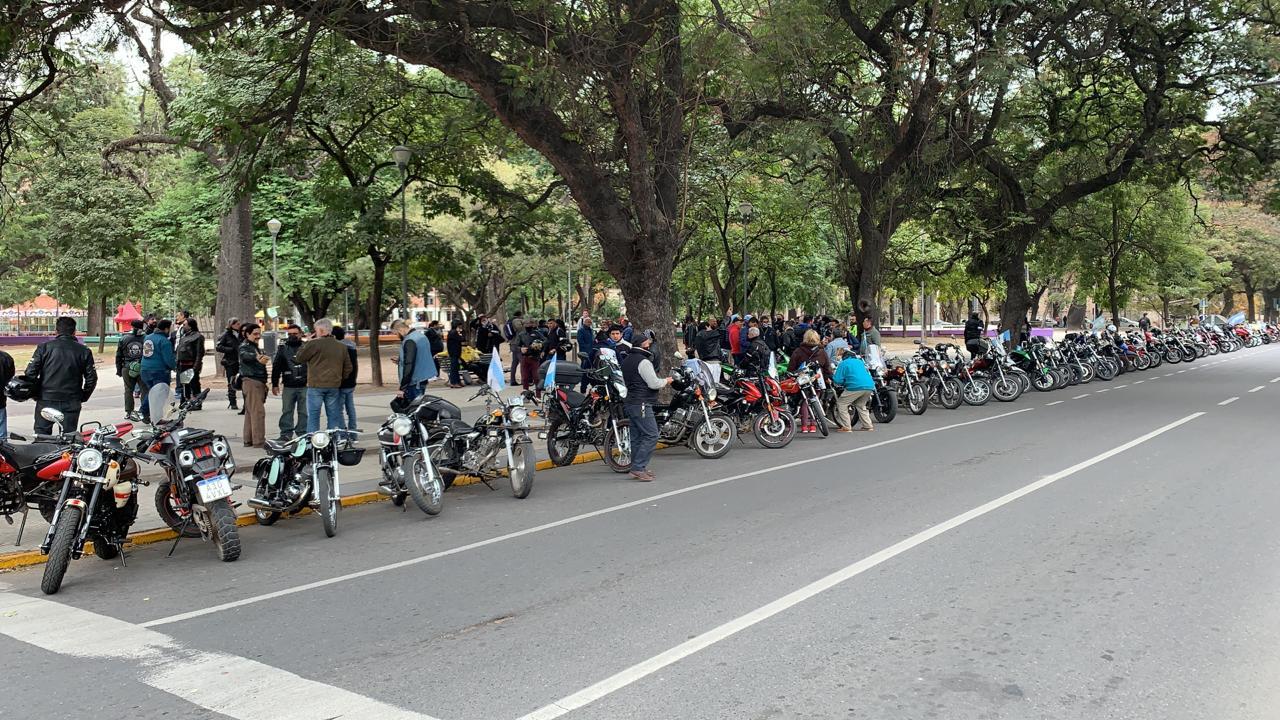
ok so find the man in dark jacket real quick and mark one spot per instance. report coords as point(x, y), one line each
point(586, 349)
point(974, 330)
point(690, 333)
point(190, 351)
point(64, 368)
point(510, 331)
point(129, 364)
point(556, 337)
point(453, 344)
point(531, 344)
point(643, 384)
point(229, 346)
point(7, 371)
point(284, 366)
point(158, 363)
point(707, 342)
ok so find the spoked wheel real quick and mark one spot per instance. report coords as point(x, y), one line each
point(1172, 356)
point(774, 432)
point(950, 394)
point(917, 401)
point(328, 503)
point(425, 485)
point(617, 446)
point(886, 407)
point(977, 392)
point(714, 436)
point(1044, 381)
point(1141, 362)
point(522, 468)
point(819, 417)
point(562, 447)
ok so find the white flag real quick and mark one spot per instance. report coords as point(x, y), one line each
point(496, 379)
point(551, 372)
point(773, 365)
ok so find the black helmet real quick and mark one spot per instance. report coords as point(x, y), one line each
point(21, 388)
point(399, 405)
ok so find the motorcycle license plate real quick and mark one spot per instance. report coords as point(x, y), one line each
point(214, 488)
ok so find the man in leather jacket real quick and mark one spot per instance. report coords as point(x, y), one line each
point(229, 346)
point(293, 407)
point(67, 377)
point(974, 330)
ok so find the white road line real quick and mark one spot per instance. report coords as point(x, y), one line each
point(701, 642)
point(1229, 400)
point(555, 524)
point(1257, 388)
point(226, 684)
point(1121, 387)
point(1055, 402)
point(1105, 390)
point(1168, 374)
point(1138, 382)
point(1275, 380)
point(1181, 371)
point(1080, 396)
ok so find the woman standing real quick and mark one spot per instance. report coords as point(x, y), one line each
point(253, 378)
point(810, 350)
point(191, 350)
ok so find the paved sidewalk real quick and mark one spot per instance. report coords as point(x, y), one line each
point(107, 406)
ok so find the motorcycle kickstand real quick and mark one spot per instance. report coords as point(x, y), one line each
point(177, 539)
point(486, 482)
point(22, 525)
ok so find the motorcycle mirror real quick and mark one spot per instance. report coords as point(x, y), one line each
point(54, 416)
point(16, 436)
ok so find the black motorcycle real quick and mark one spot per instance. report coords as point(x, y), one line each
point(690, 418)
point(98, 501)
point(301, 473)
point(195, 497)
point(407, 469)
point(498, 441)
point(574, 419)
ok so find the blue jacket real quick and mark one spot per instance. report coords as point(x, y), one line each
point(853, 375)
point(586, 342)
point(424, 366)
point(157, 354)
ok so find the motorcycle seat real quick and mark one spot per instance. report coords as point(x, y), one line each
point(26, 455)
point(575, 398)
point(457, 427)
point(278, 447)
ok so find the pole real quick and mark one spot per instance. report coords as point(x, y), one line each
point(404, 234)
point(743, 311)
point(266, 315)
point(922, 300)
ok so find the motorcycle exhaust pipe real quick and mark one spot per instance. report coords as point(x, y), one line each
point(260, 504)
point(384, 490)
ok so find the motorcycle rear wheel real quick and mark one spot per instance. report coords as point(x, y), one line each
point(64, 535)
point(887, 408)
point(562, 448)
point(223, 531)
point(170, 514)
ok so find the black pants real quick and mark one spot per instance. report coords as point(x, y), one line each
point(230, 372)
point(193, 387)
point(131, 384)
point(69, 409)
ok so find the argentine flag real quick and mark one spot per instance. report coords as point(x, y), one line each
point(1236, 319)
point(551, 372)
point(1006, 336)
point(496, 380)
point(773, 365)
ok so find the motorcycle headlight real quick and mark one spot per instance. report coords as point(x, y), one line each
point(89, 460)
point(220, 448)
point(186, 457)
point(711, 394)
point(401, 425)
point(518, 414)
point(320, 440)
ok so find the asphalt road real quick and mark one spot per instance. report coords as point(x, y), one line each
point(1076, 554)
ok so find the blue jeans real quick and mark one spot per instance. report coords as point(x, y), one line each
point(644, 435)
point(331, 399)
point(151, 378)
point(4, 423)
point(348, 397)
point(412, 392)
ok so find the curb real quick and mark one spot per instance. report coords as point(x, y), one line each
point(28, 558)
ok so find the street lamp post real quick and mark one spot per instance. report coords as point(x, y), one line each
point(745, 211)
point(401, 155)
point(922, 298)
point(273, 226)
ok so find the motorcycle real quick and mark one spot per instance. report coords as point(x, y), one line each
point(995, 366)
point(803, 389)
point(195, 497)
point(904, 378)
point(100, 466)
point(755, 401)
point(935, 373)
point(460, 448)
point(405, 456)
point(574, 418)
point(300, 473)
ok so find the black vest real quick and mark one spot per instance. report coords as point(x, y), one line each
point(638, 391)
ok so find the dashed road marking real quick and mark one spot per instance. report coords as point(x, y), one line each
point(1055, 402)
point(1080, 396)
point(1257, 388)
point(1229, 400)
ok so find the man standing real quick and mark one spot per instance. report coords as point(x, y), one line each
point(175, 338)
point(347, 390)
point(735, 340)
point(7, 371)
point(453, 344)
point(643, 385)
point(129, 364)
point(229, 345)
point(690, 333)
point(974, 330)
point(328, 364)
point(531, 344)
point(870, 335)
point(510, 331)
point(435, 341)
point(707, 345)
point(158, 362)
point(416, 365)
point(556, 337)
point(586, 349)
point(1144, 323)
point(285, 366)
point(67, 377)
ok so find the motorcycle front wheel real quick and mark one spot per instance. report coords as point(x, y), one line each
point(617, 446)
point(1006, 389)
point(64, 535)
point(425, 485)
point(819, 417)
point(522, 468)
point(328, 503)
point(917, 401)
point(774, 432)
point(886, 407)
point(713, 437)
point(950, 393)
point(977, 392)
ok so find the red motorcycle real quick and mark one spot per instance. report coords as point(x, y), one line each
point(31, 474)
point(804, 391)
point(755, 399)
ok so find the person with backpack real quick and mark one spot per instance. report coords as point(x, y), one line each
point(158, 362)
point(190, 351)
point(229, 346)
point(129, 365)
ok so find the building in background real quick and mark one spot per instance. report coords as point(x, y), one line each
point(37, 316)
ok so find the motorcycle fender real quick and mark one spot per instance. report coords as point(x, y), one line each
point(773, 413)
point(75, 502)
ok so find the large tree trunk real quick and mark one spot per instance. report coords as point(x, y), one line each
point(1250, 300)
point(375, 317)
point(1013, 311)
point(96, 322)
point(1075, 315)
point(1228, 302)
point(866, 293)
point(235, 262)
